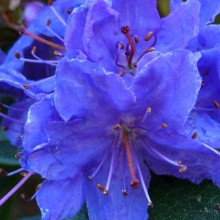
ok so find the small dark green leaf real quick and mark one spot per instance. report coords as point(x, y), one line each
point(7, 152)
point(178, 199)
point(36, 217)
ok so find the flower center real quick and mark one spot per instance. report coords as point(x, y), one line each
point(130, 50)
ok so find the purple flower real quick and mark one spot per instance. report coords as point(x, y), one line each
point(118, 107)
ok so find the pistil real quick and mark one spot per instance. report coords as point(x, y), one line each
point(135, 182)
point(126, 31)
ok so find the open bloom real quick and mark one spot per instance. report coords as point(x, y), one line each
point(118, 110)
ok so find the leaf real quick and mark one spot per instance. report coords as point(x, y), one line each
point(179, 199)
point(81, 215)
point(36, 217)
point(7, 152)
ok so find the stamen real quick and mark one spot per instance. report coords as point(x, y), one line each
point(182, 168)
point(112, 164)
point(216, 104)
point(147, 112)
point(28, 198)
point(33, 52)
point(98, 168)
point(50, 2)
point(126, 31)
point(124, 191)
point(149, 202)
point(10, 107)
point(40, 39)
point(53, 32)
point(135, 182)
point(149, 36)
point(150, 49)
point(13, 190)
point(195, 135)
point(15, 172)
point(38, 59)
point(11, 119)
point(119, 46)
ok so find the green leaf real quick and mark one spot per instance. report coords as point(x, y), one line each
point(178, 199)
point(36, 217)
point(81, 215)
point(7, 152)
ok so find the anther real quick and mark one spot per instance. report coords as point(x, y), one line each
point(195, 135)
point(69, 11)
point(40, 39)
point(3, 172)
point(136, 39)
point(117, 127)
point(50, 2)
point(164, 125)
point(216, 104)
point(34, 50)
point(124, 192)
point(26, 86)
point(17, 55)
point(5, 128)
point(149, 110)
point(58, 53)
point(48, 22)
point(150, 205)
point(90, 177)
point(100, 187)
point(17, 155)
point(105, 192)
point(149, 36)
point(182, 168)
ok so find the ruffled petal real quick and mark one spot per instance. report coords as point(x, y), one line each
point(162, 85)
point(72, 147)
point(208, 38)
point(205, 126)
point(91, 87)
point(141, 15)
point(184, 19)
point(60, 199)
point(209, 69)
point(39, 116)
point(209, 9)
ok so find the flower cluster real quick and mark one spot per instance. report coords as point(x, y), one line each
point(106, 91)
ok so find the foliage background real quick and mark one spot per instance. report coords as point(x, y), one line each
point(173, 199)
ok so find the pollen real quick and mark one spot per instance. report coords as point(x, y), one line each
point(100, 187)
point(164, 125)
